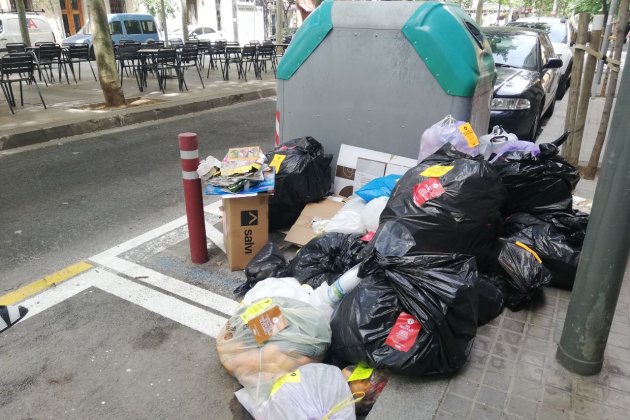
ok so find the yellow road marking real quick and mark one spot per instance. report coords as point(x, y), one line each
point(44, 283)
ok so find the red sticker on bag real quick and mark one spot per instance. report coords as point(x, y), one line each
point(404, 332)
point(427, 190)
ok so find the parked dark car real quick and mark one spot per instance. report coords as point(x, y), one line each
point(527, 79)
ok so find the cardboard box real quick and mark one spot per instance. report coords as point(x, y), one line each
point(357, 166)
point(245, 227)
point(301, 232)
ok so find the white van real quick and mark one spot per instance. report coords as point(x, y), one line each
point(134, 26)
point(39, 29)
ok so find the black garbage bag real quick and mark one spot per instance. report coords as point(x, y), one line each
point(324, 258)
point(556, 237)
point(491, 298)
point(302, 176)
point(523, 271)
point(537, 184)
point(415, 314)
point(268, 262)
point(449, 203)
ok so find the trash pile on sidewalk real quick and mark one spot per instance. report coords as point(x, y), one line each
point(401, 276)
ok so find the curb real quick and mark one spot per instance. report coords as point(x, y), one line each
point(163, 110)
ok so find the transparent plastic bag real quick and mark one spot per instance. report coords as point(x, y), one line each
point(314, 391)
point(441, 133)
point(298, 334)
point(347, 220)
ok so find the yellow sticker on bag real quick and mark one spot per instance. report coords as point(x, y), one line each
point(360, 373)
point(469, 134)
point(436, 171)
point(277, 161)
point(255, 309)
point(528, 249)
point(293, 377)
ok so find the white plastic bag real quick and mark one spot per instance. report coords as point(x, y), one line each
point(443, 132)
point(347, 220)
point(287, 287)
point(313, 391)
point(490, 143)
point(372, 213)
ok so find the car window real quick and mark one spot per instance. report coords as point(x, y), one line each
point(133, 27)
point(115, 28)
point(198, 31)
point(208, 30)
point(557, 31)
point(514, 50)
point(148, 27)
point(546, 49)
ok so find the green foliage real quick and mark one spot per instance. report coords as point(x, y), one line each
point(154, 7)
point(586, 6)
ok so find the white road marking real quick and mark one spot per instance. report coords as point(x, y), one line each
point(161, 304)
point(177, 287)
point(215, 236)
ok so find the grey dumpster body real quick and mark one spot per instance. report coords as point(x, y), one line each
point(377, 74)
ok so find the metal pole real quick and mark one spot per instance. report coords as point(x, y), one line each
point(189, 153)
point(604, 50)
point(605, 252)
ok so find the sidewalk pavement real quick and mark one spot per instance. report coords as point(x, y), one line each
point(512, 372)
point(73, 108)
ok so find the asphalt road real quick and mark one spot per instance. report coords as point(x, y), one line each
point(95, 355)
point(61, 203)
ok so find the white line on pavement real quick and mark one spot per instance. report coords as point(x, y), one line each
point(188, 291)
point(161, 304)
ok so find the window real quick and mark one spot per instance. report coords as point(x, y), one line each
point(28, 5)
point(115, 28)
point(148, 27)
point(133, 27)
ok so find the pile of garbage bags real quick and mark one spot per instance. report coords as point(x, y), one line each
point(479, 224)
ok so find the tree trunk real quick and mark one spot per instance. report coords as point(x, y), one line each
point(104, 51)
point(185, 20)
point(479, 13)
point(21, 11)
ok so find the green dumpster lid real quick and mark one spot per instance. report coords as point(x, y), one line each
point(306, 39)
point(451, 45)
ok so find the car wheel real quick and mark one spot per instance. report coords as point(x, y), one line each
point(534, 130)
point(549, 112)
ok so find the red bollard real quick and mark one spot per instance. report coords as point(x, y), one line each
point(189, 153)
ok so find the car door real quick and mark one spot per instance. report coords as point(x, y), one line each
point(549, 77)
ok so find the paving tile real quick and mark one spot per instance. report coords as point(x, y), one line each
point(513, 325)
point(619, 340)
point(617, 352)
point(539, 332)
point(559, 378)
point(550, 413)
point(590, 390)
point(473, 373)
point(534, 343)
point(455, 404)
point(619, 328)
point(509, 416)
point(614, 413)
point(487, 331)
point(527, 389)
point(588, 408)
point(510, 337)
point(556, 398)
point(485, 412)
point(619, 382)
point(518, 316)
point(463, 387)
point(541, 320)
point(533, 357)
point(505, 350)
point(617, 366)
point(482, 343)
point(442, 415)
point(495, 322)
point(478, 358)
point(492, 397)
point(617, 398)
point(529, 372)
point(522, 407)
point(498, 364)
point(497, 380)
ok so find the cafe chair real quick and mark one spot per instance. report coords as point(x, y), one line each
point(17, 68)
